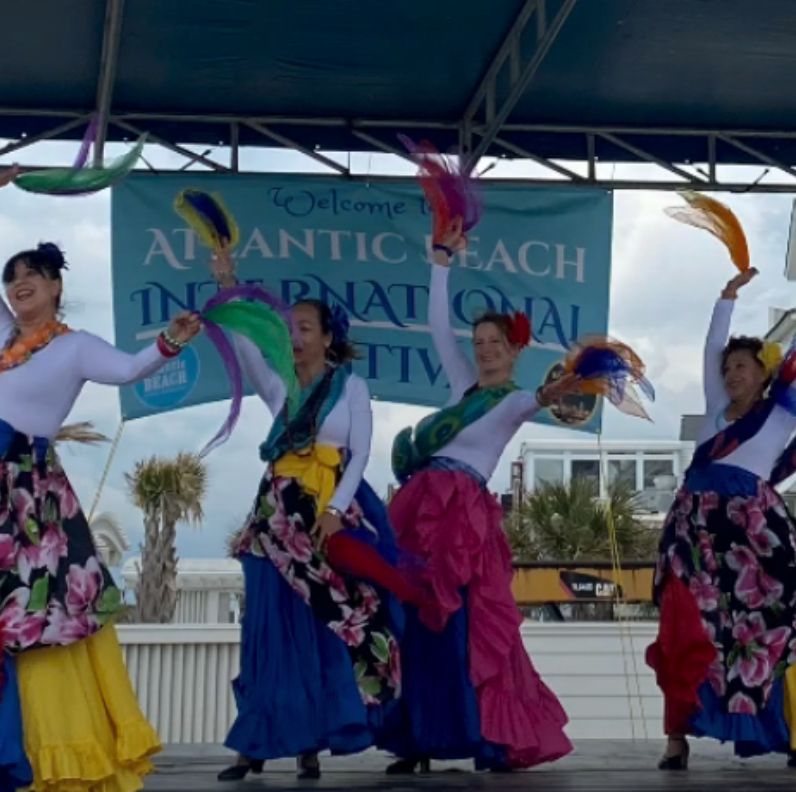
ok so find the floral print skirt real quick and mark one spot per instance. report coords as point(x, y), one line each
point(53, 588)
point(69, 711)
point(319, 657)
point(726, 585)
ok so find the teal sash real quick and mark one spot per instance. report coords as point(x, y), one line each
point(410, 453)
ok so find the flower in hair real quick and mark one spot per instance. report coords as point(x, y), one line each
point(770, 356)
point(519, 329)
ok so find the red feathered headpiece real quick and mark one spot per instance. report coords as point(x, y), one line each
point(519, 330)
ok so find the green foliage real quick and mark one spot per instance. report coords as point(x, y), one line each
point(569, 523)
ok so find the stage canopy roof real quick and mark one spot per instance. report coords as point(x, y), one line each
point(670, 83)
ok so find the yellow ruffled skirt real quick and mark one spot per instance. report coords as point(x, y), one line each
point(84, 730)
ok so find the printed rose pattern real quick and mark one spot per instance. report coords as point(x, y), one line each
point(53, 588)
point(280, 528)
point(737, 555)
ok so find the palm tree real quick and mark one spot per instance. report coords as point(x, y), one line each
point(168, 491)
point(561, 522)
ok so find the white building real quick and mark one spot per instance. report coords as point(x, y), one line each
point(648, 466)
point(109, 538)
point(209, 590)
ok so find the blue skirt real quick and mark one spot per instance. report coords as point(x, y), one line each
point(15, 770)
point(296, 690)
point(753, 735)
point(437, 715)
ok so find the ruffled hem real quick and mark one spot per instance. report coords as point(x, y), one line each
point(79, 766)
point(531, 730)
point(454, 525)
point(520, 712)
point(136, 742)
point(753, 735)
point(84, 731)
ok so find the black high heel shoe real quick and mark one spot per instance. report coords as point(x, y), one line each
point(407, 766)
point(239, 771)
point(678, 761)
point(308, 768)
point(791, 758)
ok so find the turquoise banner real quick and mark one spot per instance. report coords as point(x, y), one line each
point(546, 251)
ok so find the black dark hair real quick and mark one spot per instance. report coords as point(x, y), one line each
point(47, 260)
point(750, 344)
point(341, 351)
point(502, 321)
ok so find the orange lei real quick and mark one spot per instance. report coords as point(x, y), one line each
point(20, 351)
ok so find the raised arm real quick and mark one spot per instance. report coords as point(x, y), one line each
point(266, 383)
point(359, 441)
point(459, 370)
point(718, 333)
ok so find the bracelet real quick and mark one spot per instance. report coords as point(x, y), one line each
point(166, 349)
point(334, 511)
point(172, 341)
point(444, 248)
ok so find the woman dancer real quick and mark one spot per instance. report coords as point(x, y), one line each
point(726, 573)
point(65, 687)
point(319, 656)
point(469, 688)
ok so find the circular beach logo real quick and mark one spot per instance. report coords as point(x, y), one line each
point(573, 410)
point(169, 386)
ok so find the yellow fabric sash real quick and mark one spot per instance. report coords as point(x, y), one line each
point(316, 468)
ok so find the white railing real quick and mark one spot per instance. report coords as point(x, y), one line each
point(182, 675)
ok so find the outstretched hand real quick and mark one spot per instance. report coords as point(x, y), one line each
point(184, 326)
point(556, 390)
point(730, 291)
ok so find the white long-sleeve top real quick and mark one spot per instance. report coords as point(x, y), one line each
point(480, 444)
point(36, 397)
point(348, 426)
point(759, 453)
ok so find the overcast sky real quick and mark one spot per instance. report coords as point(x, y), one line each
point(665, 280)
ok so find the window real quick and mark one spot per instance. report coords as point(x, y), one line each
point(654, 468)
point(547, 471)
point(587, 469)
point(622, 473)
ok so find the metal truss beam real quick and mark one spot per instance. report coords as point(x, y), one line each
point(710, 150)
point(547, 163)
point(605, 184)
point(486, 106)
point(291, 144)
point(111, 38)
point(379, 144)
point(48, 134)
point(192, 156)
